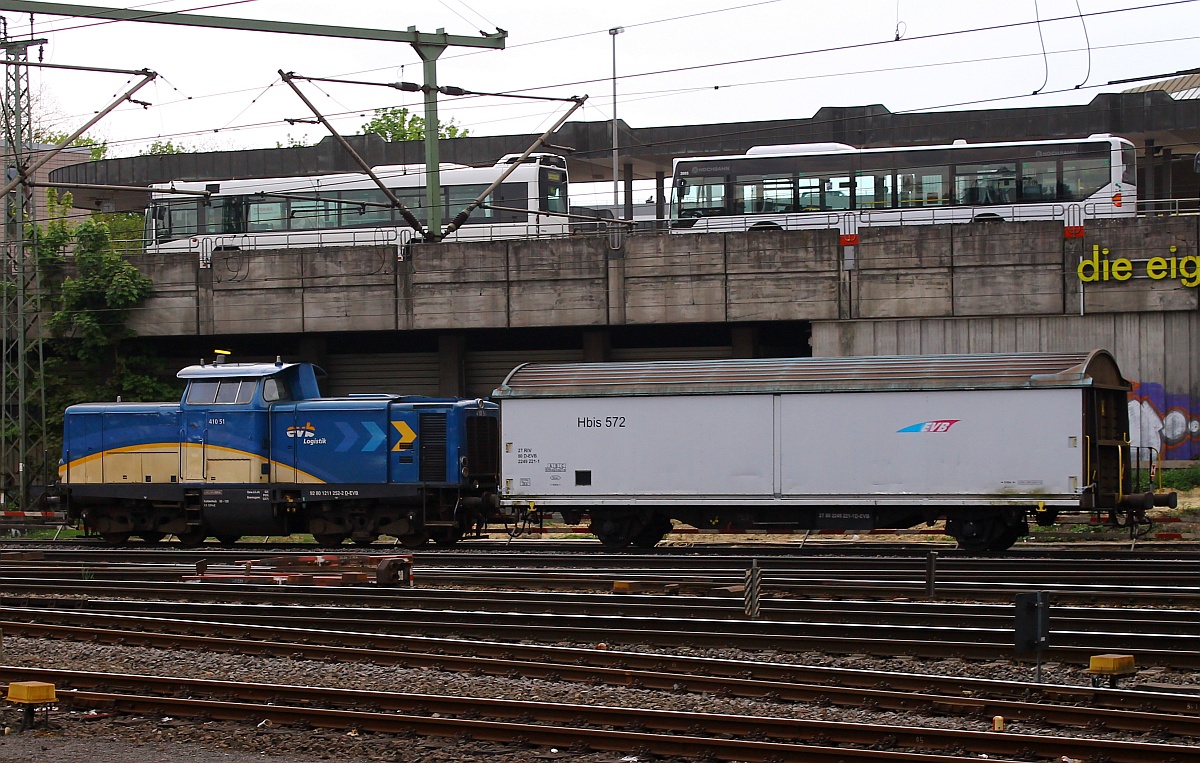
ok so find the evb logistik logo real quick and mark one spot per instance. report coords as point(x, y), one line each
point(302, 432)
point(938, 426)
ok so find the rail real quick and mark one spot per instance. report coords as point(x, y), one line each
point(606, 727)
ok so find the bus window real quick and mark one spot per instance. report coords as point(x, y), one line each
point(700, 196)
point(514, 197)
point(1039, 180)
point(923, 187)
point(765, 194)
point(365, 216)
point(265, 216)
point(459, 196)
point(175, 219)
point(808, 194)
point(1083, 176)
point(413, 198)
point(304, 214)
point(981, 184)
point(226, 214)
point(873, 189)
point(553, 191)
point(836, 193)
point(1129, 165)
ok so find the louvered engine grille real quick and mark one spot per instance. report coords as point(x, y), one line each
point(483, 447)
point(433, 447)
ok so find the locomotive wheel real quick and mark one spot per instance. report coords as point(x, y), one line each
point(330, 539)
point(115, 539)
point(365, 541)
point(150, 537)
point(413, 540)
point(192, 538)
point(446, 536)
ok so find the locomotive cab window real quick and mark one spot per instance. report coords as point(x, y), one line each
point(221, 391)
point(275, 389)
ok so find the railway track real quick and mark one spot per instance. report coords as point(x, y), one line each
point(1155, 637)
point(1174, 580)
point(710, 735)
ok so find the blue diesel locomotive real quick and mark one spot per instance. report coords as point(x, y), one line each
point(253, 449)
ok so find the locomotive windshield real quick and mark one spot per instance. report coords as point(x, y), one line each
point(221, 391)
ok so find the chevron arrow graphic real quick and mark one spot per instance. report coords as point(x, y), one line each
point(349, 437)
point(377, 436)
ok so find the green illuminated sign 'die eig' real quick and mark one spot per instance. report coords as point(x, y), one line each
point(1185, 269)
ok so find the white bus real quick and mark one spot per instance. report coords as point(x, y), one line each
point(349, 208)
point(833, 185)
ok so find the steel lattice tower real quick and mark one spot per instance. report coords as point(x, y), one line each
point(23, 457)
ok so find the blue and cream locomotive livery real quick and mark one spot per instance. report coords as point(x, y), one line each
point(253, 449)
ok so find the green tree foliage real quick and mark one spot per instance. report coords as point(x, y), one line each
point(397, 123)
point(125, 231)
point(163, 147)
point(92, 355)
point(97, 301)
point(98, 148)
point(292, 142)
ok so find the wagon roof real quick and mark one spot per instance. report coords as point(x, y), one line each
point(865, 374)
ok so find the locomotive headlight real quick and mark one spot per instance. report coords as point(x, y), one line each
point(462, 465)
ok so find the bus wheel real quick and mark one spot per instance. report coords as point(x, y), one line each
point(765, 226)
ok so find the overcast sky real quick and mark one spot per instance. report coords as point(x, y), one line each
point(677, 62)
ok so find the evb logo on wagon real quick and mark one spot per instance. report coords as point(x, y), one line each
point(939, 425)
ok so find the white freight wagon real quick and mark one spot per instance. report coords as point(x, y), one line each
point(983, 441)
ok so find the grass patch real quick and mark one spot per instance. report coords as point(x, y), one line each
point(1187, 478)
point(47, 532)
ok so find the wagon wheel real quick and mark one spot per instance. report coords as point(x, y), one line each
point(329, 539)
point(616, 533)
point(192, 538)
point(653, 531)
point(989, 532)
point(115, 539)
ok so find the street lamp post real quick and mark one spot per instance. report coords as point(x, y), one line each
point(616, 178)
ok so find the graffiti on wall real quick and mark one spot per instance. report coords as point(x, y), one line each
point(1165, 421)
